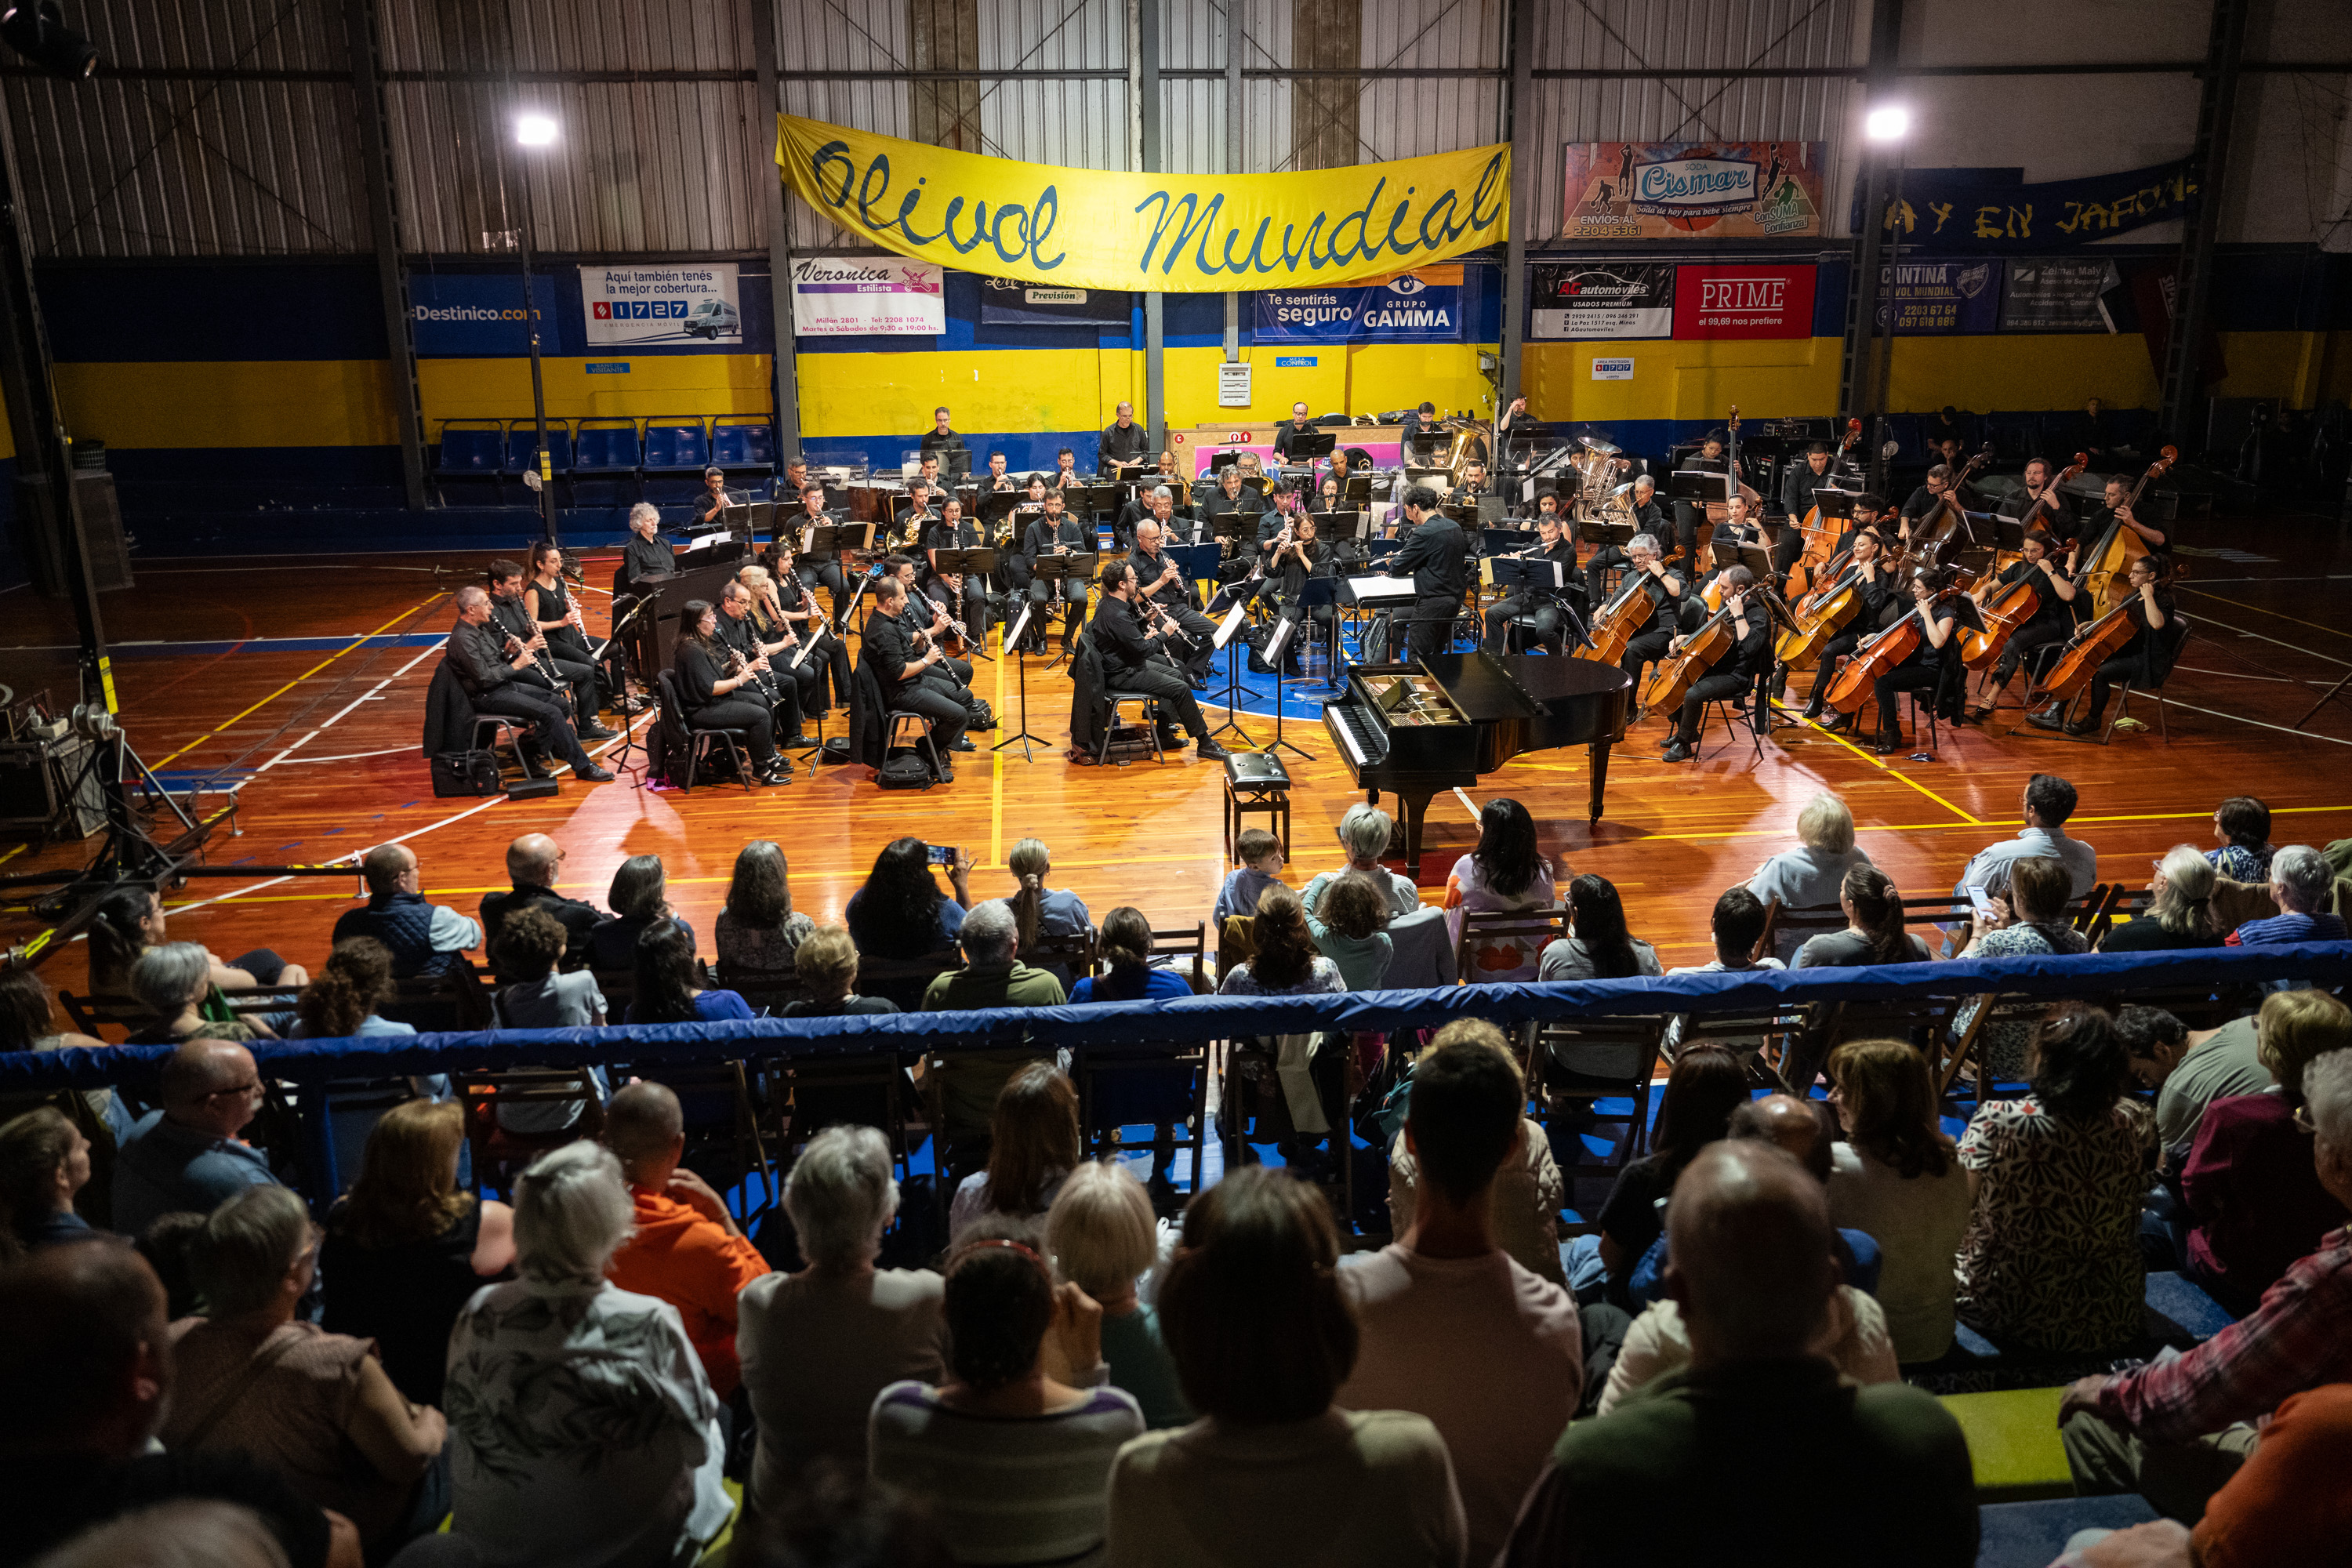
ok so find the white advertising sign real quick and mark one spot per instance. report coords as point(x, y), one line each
point(1613, 370)
point(1234, 385)
point(680, 304)
point(885, 296)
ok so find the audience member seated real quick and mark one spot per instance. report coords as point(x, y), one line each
point(172, 982)
point(2049, 800)
point(666, 992)
point(28, 1013)
point(1896, 1178)
point(639, 895)
point(1598, 945)
point(2242, 823)
point(2179, 908)
point(2302, 883)
point(1129, 975)
point(1033, 1146)
point(1809, 877)
point(582, 1426)
point(185, 1530)
point(686, 1248)
point(86, 1374)
point(1364, 833)
point(44, 1164)
point(2254, 1202)
point(2175, 1430)
point(1260, 854)
point(1275, 1473)
point(993, 976)
point(1042, 911)
point(1753, 1282)
point(2032, 919)
point(187, 1156)
point(1350, 929)
point(2052, 1259)
point(532, 862)
point(315, 1406)
point(1012, 1458)
point(1506, 872)
point(1102, 1237)
point(1285, 962)
point(901, 914)
point(1874, 928)
point(1528, 1192)
point(758, 931)
point(819, 1345)
point(424, 938)
point(341, 1004)
point(2219, 1063)
point(408, 1249)
point(1704, 1088)
point(530, 944)
point(1736, 924)
point(1449, 1326)
point(826, 963)
point(2156, 1040)
point(130, 921)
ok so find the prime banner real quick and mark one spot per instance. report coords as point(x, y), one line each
point(1423, 306)
point(1686, 190)
point(1175, 234)
point(1992, 209)
point(1579, 299)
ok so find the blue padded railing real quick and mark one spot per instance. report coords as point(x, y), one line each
point(1191, 1019)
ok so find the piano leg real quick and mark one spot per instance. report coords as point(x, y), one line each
point(1414, 808)
point(1600, 776)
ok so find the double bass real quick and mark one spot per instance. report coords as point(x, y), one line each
point(1718, 510)
point(2092, 646)
point(2008, 606)
point(1881, 653)
point(1821, 539)
point(1822, 617)
point(2110, 556)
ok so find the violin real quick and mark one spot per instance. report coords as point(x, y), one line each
point(1671, 681)
point(2008, 606)
point(1821, 541)
point(1619, 621)
point(1881, 652)
point(2109, 561)
point(2098, 641)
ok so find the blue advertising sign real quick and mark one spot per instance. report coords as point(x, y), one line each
point(1423, 306)
point(477, 314)
point(1926, 297)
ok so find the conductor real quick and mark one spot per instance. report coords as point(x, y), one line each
point(1434, 554)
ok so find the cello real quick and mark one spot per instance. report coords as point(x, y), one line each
point(2098, 641)
point(2008, 606)
point(1716, 511)
point(1881, 652)
point(1821, 620)
point(1619, 621)
point(1820, 537)
point(2110, 557)
point(1671, 681)
point(1933, 536)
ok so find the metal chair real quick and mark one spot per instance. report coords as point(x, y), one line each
point(698, 740)
point(922, 727)
point(1118, 699)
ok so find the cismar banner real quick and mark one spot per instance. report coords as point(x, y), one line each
point(1175, 234)
point(1687, 189)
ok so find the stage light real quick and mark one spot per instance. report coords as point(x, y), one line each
point(535, 131)
point(1887, 123)
point(38, 32)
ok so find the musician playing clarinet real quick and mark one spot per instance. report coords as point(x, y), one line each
point(968, 594)
point(576, 679)
point(773, 616)
point(1160, 586)
point(786, 692)
point(1542, 609)
point(1132, 637)
point(823, 570)
point(551, 609)
point(1056, 532)
point(716, 698)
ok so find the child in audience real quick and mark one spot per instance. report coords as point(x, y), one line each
point(1260, 867)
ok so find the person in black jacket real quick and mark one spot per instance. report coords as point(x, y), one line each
point(953, 530)
point(1736, 670)
point(1229, 500)
point(532, 861)
point(1288, 436)
point(939, 436)
point(1927, 667)
point(2144, 661)
point(1161, 584)
point(1797, 488)
point(2055, 517)
point(494, 682)
point(1649, 517)
point(1123, 440)
point(1130, 637)
point(818, 571)
point(1434, 555)
point(509, 614)
point(1054, 531)
point(1874, 591)
point(901, 664)
point(2053, 620)
point(789, 693)
point(1544, 608)
point(715, 699)
point(645, 554)
point(1665, 588)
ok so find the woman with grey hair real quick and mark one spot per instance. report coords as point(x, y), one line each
point(1364, 834)
point(2179, 908)
point(1809, 877)
point(586, 1430)
point(316, 1407)
point(172, 980)
point(818, 1345)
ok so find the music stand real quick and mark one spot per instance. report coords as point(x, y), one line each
point(1055, 569)
point(1698, 485)
point(1012, 635)
point(997, 505)
point(1311, 444)
point(970, 565)
point(1219, 462)
point(1752, 556)
point(1359, 488)
point(746, 519)
point(1236, 611)
point(1196, 562)
point(1284, 629)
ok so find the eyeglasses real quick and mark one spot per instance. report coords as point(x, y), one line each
point(249, 1090)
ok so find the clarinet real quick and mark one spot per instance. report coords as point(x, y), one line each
point(762, 681)
point(539, 661)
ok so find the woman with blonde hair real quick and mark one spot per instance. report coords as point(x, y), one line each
point(1810, 876)
point(408, 1247)
point(1039, 910)
point(1896, 1177)
point(2179, 908)
point(1101, 1236)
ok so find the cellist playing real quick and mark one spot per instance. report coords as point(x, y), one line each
point(2144, 661)
point(1877, 591)
point(1665, 587)
point(1927, 667)
point(2053, 620)
point(1736, 670)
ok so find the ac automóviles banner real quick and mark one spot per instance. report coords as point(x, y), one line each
point(1176, 233)
point(1423, 306)
point(1578, 301)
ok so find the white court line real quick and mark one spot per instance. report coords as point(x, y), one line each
point(422, 655)
point(2209, 713)
point(1467, 804)
point(346, 757)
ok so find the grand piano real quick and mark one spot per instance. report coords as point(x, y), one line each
point(1418, 729)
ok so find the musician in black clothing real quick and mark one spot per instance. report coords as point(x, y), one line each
point(577, 675)
point(790, 613)
point(1288, 436)
point(954, 532)
point(1232, 500)
point(905, 665)
point(2053, 620)
point(1558, 546)
point(819, 571)
point(2143, 662)
point(1304, 557)
point(1927, 496)
point(1738, 528)
point(939, 436)
point(1123, 440)
point(713, 699)
point(714, 499)
point(1066, 469)
point(929, 613)
point(645, 553)
point(1546, 505)
point(1665, 588)
point(1735, 672)
point(1473, 483)
point(2056, 517)
point(1160, 584)
point(1873, 592)
point(996, 479)
point(1434, 555)
point(1176, 526)
point(491, 669)
point(549, 604)
point(788, 692)
point(1797, 488)
point(1056, 532)
point(1709, 459)
point(1932, 666)
point(2118, 509)
point(1131, 637)
point(1649, 517)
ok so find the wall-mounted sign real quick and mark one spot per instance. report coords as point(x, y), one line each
point(679, 303)
point(1579, 299)
point(1009, 301)
point(1295, 362)
point(1423, 306)
point(466, 314)
point(2057, 296)
point(886, 296)
point(1613, 370)
point(1928, 298)
point(1743, 301)
point(1681, 190)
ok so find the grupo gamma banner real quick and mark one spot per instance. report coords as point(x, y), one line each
point(856, 296)
point(1423, 306)
point(1990, 209)
point(1684, 190)
point(1579, 299)
point(1176, 233)
point(1931, 297)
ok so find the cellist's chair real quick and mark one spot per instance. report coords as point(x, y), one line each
point(1721, 708)
point(2124, 689)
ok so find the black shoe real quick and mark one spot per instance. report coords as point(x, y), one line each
point(1888, 744)
point(2084, 727)
point(1837, 721)
point(782, 773)
point(1208, 751)
point(990, 722)
point(1679, 752)
point(963, 743)
point(796, 739)
point(944, 774)
point(630, 705)
point(592, 773)
point(598, 732)
point(1814, 709)
point(2047, 719)
point(1170, 740)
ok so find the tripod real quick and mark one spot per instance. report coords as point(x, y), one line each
point(1021, 665)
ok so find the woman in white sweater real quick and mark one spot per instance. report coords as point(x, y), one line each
point(1898, 1178)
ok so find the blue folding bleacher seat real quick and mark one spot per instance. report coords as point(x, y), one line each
point(607, 447)
point(676, 446)
point(522, 445)
point(747, 444)
point(469, 446)
point(2015, 437)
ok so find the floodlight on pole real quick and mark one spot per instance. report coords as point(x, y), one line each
point(1887, 123)
point(535, 131)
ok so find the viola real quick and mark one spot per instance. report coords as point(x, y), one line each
point(1671, 681)
point(1821, 540)
point(1881, 653)
point(1620, 621)
point(2109, 561)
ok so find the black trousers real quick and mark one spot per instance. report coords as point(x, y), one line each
point(829, 662)
point(1016, 573)
point(1787, 547)
point(1172, 691)
point(787, 706)
point(948, 714)
point(569, 647)
point(1688, 515)
point(1433, 625)
point(1706, 688)
point(1545, 614)
point(734, 711)
point(1837, 647)
point(1646, 649)
point(1903, 678)
point(2022, 644)
point(1192, 649)
point(2123, 667)
point(1074, 599)
point(826, 575)
point(550, 719)
point(580, 675)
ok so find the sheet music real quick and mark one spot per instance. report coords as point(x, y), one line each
point(1231, 624)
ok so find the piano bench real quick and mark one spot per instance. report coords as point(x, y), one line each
point(1256, 780)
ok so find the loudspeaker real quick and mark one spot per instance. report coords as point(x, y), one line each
point(101, 519)
point(35, 777)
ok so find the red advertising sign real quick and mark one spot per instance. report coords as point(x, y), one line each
point(1743, 301)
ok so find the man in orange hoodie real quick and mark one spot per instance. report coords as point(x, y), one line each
point(688, 1248)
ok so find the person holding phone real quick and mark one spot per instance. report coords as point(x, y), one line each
point(901, 913)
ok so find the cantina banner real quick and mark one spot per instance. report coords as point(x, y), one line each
point(1685, 190)
point(1937, 297)
point(1423, 306)
point(1990, 209)
point(1177, 234)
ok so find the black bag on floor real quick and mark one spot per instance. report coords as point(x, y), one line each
point(904, 769)
point(466, 773)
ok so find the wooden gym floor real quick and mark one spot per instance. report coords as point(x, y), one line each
point(307, 678)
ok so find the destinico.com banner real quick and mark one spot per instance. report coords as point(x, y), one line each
point(1684, 190)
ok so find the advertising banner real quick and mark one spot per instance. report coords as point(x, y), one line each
point(1743, 301)
point(678, 303)
point(2043, 295)
point(1987, 209)
point(1595, 300)
point(1179, 234)
point(1010, 302)
point(851, 296)
point(1678, 190)
point(1423, 306)
point(464, 314)
point(1926, 297)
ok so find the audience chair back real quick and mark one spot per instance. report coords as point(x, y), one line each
point(500, 1155)
point(1617, 1057)
point(1532, 930)
point(1178, 944)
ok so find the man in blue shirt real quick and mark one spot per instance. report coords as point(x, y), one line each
point(2049, 802)
point(424, 938)
point(187, 1156)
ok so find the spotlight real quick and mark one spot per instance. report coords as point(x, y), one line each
point(535, 131)
point(38, 32)
point(1887, 123)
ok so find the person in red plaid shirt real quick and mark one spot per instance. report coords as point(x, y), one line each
point(2177, 1430)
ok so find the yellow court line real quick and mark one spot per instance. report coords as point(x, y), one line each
point(1880, 763)
point(358, 642)
point(2241, 604)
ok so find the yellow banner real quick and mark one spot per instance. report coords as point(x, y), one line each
point(1176, 233)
